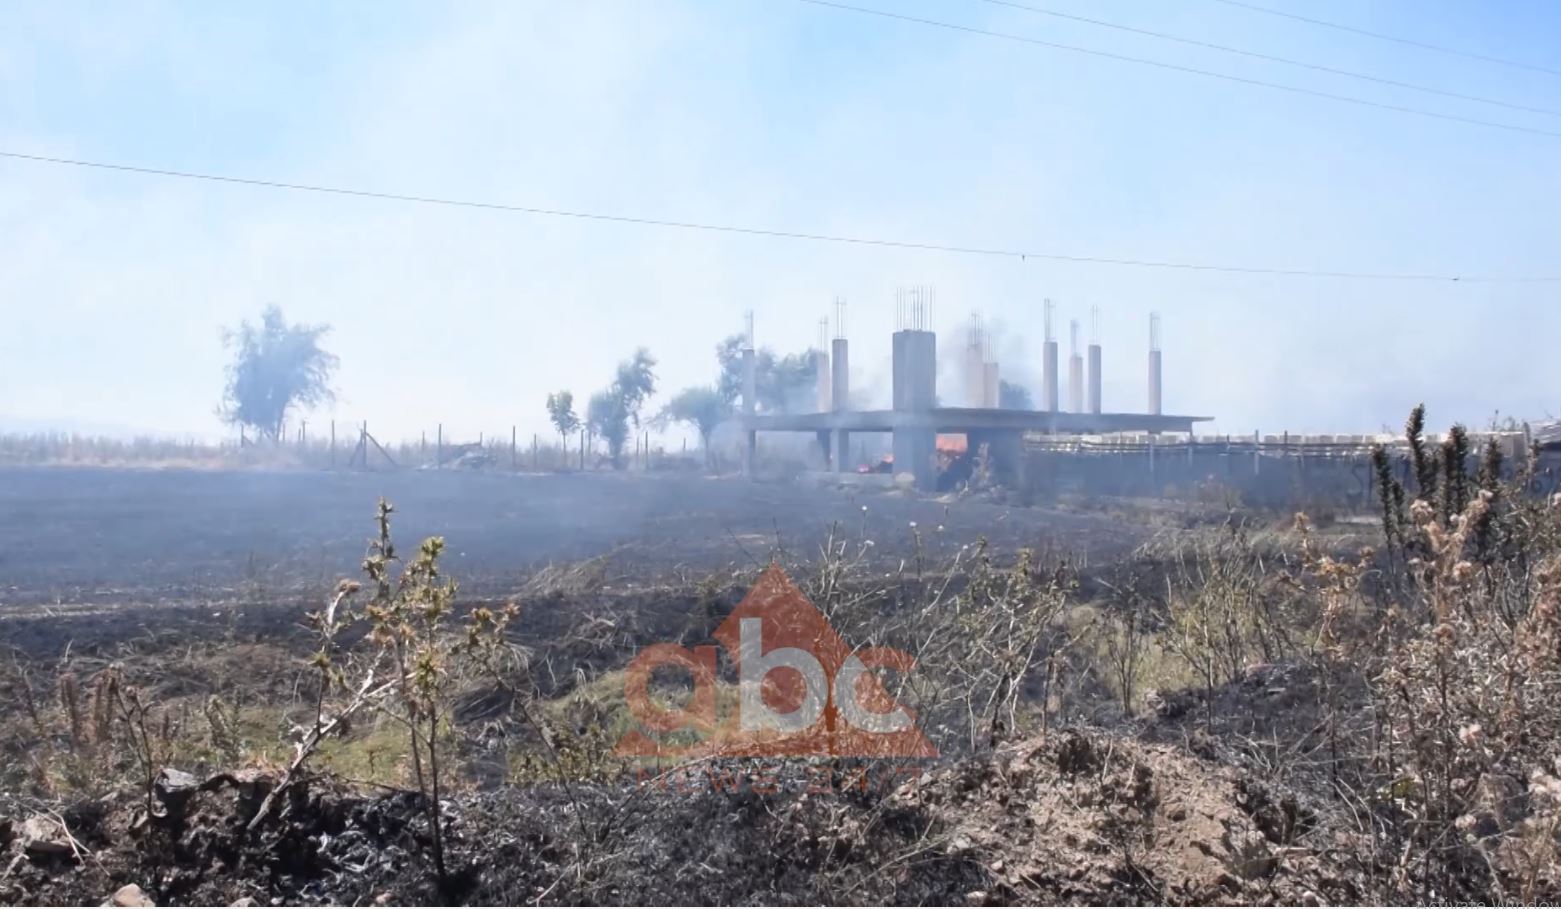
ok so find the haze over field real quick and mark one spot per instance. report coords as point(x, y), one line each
point(782, 115)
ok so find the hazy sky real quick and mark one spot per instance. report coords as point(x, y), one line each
point(114, 288)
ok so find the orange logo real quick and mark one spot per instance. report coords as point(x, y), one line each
point(801, 691)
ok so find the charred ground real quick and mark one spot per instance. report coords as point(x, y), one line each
point(1134, 703)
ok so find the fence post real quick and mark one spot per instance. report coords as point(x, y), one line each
point(582, 449)
point(1257, 452)
point(536, 454)
point(333, 442)
point(513, 464)
point(1154, 487)
point(439, 446)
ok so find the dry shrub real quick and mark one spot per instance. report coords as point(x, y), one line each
point(1469, 694)
point(1225, 608)
point(989, 640)
point(1457, 652)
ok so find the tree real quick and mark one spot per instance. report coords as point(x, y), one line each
point(702, 408)
point(613, 409)
point(729, 357)
point(276, 368)
point(1012, 396)
point(606, 416)
point(782, 384)
point(561, 413)
point(635, 382)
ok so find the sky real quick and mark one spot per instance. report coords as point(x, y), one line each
point(115, 288)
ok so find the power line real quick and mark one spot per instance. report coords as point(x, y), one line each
point(783, 234)
point(1125, 58)
point(1274, 58)
point(1410, 42)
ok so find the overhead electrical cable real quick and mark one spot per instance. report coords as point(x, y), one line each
point(1410, 42)
point(1176, 67)
point(1011, 253)
point(1274, 58)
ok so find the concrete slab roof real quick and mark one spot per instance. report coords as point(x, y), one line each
point(968, 419)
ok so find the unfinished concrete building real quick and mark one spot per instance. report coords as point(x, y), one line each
point(916, 420)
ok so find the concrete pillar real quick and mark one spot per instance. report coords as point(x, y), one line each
point(915, 391)
point(1154, 382)
point(975, 376)
point(842, 454)
point(840, 377)
point(840, 400)
point(1049, 377)
point(750, 382)
point(1094, 378)
point(823, 382)
point(915, 370)
point(1076, 383)
point(823, 446)
point(991, 385)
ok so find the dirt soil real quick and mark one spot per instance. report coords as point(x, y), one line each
point(1070, 817)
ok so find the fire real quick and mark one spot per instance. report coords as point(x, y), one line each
point(948, 447)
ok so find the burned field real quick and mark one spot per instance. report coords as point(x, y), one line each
point(1133, 704)
point(84, 551)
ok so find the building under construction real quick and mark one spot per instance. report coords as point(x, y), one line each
point(916, 419)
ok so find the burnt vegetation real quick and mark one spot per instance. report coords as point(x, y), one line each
point(1249, 709)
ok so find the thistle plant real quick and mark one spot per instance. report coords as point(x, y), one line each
point(408, 615)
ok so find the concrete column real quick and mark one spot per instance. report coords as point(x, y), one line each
point(1154, 382)
point(915, 391)
point(750, 382)
point(975, 377)
point(1094, 378)
point(1049, 377)
point(914, 450)
point(840, 400)
point(915, 370)
point(991, 385)
point(1076, 383)
point(823, 382)
point(840, 377)
point(842, 456)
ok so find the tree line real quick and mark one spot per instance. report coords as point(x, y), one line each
point(279, 368)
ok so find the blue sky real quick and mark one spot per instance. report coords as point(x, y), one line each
point(114, 288)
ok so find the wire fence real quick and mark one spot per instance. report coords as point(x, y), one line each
point(348, 446)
